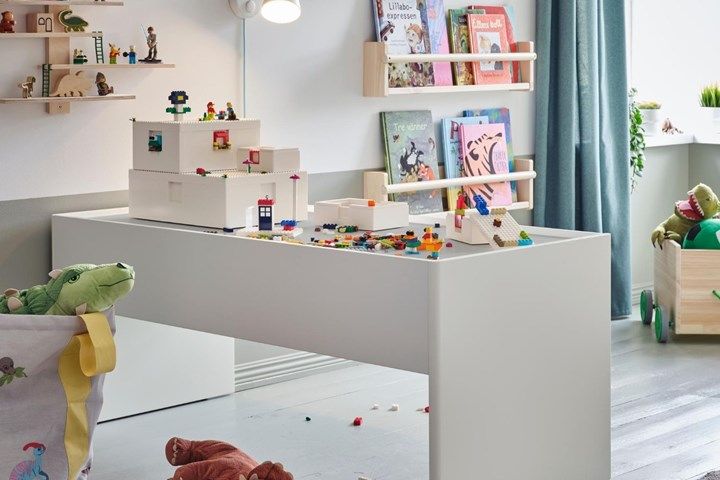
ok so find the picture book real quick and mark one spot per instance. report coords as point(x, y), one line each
point(484, 150)
point(437, 26)
point(499, 115)
point(411, 156)
point(452, 151)
point(460, 43)
point(509, 12)
point(403, 26)
point(488, 34)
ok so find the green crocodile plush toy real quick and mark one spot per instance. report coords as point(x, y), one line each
point(701, 204)
point(74, 290)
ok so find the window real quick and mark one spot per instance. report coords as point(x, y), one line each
point(221, 140)
point(155, 141)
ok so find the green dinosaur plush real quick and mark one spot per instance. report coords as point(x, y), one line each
point(74, 290)
point(701, 204)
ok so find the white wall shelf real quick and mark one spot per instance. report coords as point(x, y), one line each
point(37, 3)
point(25, 35)
point(108, 66)
point(377, 61)
point(50, 100)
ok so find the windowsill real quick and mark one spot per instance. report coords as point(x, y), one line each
point(665, 140)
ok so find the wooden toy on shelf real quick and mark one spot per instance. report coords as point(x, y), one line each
point(72, 23)
point(377, 63)
point(40, 22)
point(7, 22)
point(102, 86)
point(72, 85)
point(27, 87)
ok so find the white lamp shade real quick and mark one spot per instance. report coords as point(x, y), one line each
point(281, 11)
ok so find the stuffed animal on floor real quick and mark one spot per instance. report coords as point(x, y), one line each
point(213, 460)
point(701, 204)
point(74, 290)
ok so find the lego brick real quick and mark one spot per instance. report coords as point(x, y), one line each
point(272, 159)
point(358, 212)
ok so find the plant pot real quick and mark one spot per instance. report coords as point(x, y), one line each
point(651, 121)
point(713, 115)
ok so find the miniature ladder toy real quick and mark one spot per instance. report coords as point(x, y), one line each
point(46, 80)
point(99, 50)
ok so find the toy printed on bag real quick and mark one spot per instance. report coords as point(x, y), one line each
point(178, 99)
point(27, 87)
point(152, 43)
point(73, 85)
point(9, 371)
point(103, 88)
point(7, 22)
point(75, 290)
point(131, 55)
point(214, 460)
point(72, 23)
point(31, 469)
point(114, 54)
point(701, 204)
point(79, 57)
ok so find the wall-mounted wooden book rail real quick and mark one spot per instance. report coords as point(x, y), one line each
point(377, 61)
point(377, 186)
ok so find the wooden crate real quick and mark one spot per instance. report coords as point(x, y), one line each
point(684, 284)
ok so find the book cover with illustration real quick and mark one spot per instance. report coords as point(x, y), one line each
point(402, 25)
point(488, 34)
point(437, 26)
point(452, 151)
point(411, 156)
point(509, 12)
point(484, 150)
point(499, 115)
point(460, 43)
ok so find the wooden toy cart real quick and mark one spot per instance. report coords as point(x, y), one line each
point(687, 292)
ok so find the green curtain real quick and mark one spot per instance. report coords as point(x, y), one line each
point(582, 140)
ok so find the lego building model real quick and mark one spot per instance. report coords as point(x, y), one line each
point(494, 226)
point(190, 172)
point(365, 214)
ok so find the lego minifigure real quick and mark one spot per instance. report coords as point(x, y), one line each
point(152, 43)
point(131, 55)
point(114, 54)
point(79, 57)
point(231, 112)
point(210, 112)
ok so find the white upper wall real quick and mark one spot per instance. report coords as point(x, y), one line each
point(673, 55)
point(90, 150)
point(304, 81)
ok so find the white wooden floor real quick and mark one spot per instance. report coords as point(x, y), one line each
point(666, 420)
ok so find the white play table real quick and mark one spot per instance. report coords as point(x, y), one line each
point(516, 342)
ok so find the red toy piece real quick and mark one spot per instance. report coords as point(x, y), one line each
point(427, 409)
point(201, 171)
point(213, 460)
point(358, 421)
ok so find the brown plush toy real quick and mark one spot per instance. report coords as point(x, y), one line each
point(213, 460)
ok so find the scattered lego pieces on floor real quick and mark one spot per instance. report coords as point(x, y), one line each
point(358, 421)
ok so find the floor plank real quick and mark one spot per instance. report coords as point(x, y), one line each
point(665, 419)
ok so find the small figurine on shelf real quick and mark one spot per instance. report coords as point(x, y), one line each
point(152, 43)
point(222, 115)
point(7, 23)
point(178, 99)
point(72, 85)
point(210, 115)
point(27, 87)
point(114, 54)
point(231, 112)
point(103, 88)
point(131, 55)
point(412, 243)
point(79, 57)
point(72, 23)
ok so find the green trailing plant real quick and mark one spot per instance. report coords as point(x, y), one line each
point(637, 140)
point(710, 96)
point(649, 105)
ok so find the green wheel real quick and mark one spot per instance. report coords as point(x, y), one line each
point(646, 307)
point(662, 324)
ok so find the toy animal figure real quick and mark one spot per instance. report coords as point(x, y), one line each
point(702, 203)
point(103, 88)
point(75, 290)
point(27, 87)
point(213, 460)
point(114, 54)
point(72, 23)
point(70, 85)
point(7, 22)
point(31, 469)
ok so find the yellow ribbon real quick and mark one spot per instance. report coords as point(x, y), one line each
point(86, 356)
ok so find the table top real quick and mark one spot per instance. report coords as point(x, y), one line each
point(541, 236)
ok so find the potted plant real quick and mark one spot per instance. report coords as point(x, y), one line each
point(637, 140)
point(651, 116)
point(710, 100)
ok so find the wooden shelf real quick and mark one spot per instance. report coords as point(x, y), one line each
point(108, 66)
point(94, 98)
point(54, 3)
point(20, 35)
point(377, 61)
